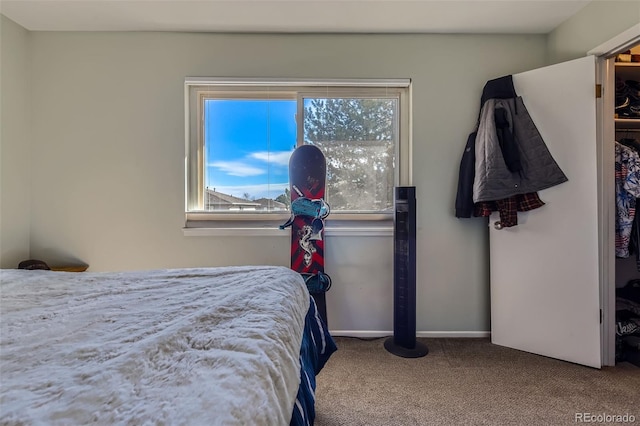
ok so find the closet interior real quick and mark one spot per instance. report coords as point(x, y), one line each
point(627, 227)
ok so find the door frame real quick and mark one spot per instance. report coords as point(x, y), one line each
point(605, 131)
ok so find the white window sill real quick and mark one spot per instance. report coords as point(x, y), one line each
point(362, 229)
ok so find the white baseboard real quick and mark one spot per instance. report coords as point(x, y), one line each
point(431, 334)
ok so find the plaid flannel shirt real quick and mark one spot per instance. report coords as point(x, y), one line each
point(509, 207)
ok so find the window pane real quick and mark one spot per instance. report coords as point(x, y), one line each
point(358, 137)
point(247, 145)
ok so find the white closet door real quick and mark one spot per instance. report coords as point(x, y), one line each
point(545, 271)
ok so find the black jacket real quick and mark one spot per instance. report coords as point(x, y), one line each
point(499, 88)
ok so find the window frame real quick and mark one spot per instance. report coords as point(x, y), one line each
point(197, 89)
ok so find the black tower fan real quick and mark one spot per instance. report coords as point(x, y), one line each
point(403, 343)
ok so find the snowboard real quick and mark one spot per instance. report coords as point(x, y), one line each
point(307, 178)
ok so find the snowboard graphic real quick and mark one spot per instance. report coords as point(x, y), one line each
point(307, 176)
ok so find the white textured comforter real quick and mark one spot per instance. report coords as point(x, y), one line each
point(185, 346)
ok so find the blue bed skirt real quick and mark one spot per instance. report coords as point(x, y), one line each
point(317, 347)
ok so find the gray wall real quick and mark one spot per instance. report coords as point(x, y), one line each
point(15, 139)
point(107, 157)
point(596, 23)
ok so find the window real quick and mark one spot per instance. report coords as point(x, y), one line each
point(241, 133)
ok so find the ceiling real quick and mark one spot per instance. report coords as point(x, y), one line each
point(308, 16)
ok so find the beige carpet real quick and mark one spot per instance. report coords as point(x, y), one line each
point(468, 382)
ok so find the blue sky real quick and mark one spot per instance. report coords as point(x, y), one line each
point(248, 145)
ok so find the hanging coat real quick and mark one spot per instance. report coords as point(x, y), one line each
point(536, 169)
point(505, 155)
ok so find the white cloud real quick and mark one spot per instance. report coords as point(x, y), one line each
point(243, 168)
point(237, 168)
point(277, 157)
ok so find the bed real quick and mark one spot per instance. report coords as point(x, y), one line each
point(228, 346)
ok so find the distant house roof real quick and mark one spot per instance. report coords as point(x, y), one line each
point(270, 204)
point(220, 200)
